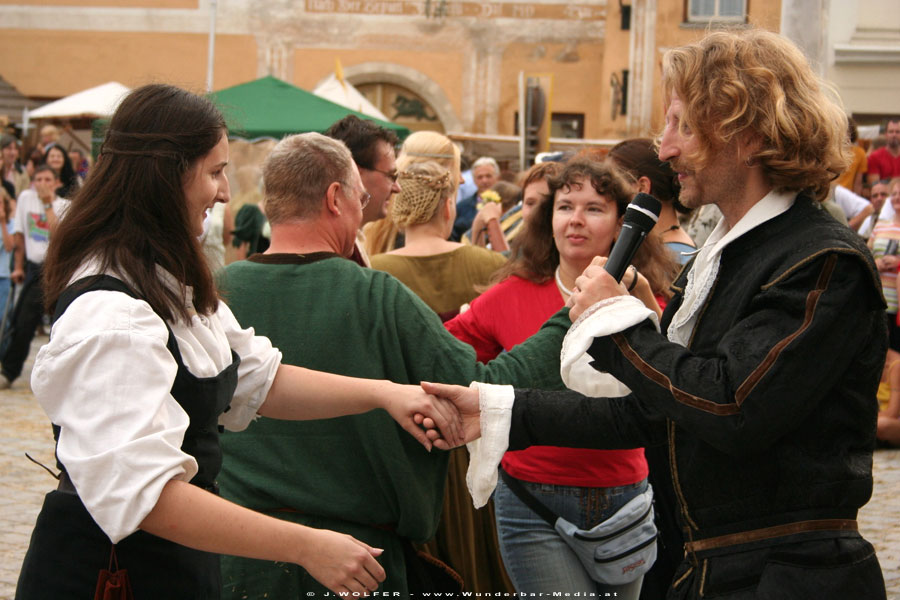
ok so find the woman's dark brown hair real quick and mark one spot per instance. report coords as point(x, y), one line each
point(68, 178)
point(638, 157)
point(538, 257)
point(131, 215)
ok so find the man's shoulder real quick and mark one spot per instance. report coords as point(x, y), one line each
point(798, 234)
point(815, 235)
point(264, 264)
point(27, 195)
point(337, 270)
point(849, 200)
point(28, 203)
point(806, 219)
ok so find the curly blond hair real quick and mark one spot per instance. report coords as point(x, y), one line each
point(424, 187)
point(733, 83)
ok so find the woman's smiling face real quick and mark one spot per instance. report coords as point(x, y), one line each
point(205, 184)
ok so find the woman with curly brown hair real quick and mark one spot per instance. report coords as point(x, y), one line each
point(578, 220)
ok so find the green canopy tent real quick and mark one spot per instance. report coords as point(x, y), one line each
point(272, 107)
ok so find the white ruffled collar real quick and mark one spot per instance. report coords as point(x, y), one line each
point(706, 266)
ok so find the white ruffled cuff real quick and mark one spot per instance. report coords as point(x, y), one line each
point(485, 453)
point(603, 318)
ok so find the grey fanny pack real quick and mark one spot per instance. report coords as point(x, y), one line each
point(617, 551)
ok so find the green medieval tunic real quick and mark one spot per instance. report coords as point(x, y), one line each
point(361, 475)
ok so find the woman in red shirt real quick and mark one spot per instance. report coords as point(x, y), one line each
point(579, 219)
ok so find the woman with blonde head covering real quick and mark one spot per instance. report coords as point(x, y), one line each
point(426, 186)
point(446, 275)
point(421, 146)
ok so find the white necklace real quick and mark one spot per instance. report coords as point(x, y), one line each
point(559, 283)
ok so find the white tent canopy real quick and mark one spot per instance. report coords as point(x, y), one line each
point(345, 94)
point(100, 101)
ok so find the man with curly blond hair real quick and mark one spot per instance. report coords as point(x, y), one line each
point(760, 380)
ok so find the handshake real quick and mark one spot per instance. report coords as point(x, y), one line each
point(450, 415)
point(454, 420)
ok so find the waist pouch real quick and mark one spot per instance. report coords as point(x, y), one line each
point(617, 551)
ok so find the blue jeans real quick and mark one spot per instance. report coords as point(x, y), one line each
point(536, 557)
point(5, 284)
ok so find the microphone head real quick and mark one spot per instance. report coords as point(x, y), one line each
point(643, 212)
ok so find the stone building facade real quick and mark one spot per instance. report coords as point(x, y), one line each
point(449, 65)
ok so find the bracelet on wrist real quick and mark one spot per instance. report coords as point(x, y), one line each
point(633, 279)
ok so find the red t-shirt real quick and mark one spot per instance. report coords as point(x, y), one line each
point(503, 316)
point(883, 164)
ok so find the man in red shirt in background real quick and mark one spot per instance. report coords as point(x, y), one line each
point(884, 163)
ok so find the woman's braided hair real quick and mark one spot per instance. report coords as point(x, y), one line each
point(423, 187)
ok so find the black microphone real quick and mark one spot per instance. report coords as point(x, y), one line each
point(640, 217)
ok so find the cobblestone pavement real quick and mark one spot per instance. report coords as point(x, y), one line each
point(23, 484)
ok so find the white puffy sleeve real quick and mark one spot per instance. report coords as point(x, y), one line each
point(105, 378)
point(259, 363)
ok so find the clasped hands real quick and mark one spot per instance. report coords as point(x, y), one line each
point(592, 286)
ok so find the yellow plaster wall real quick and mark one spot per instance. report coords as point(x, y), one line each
point(671, 31)
point(765, 14)
point(618, 44)
point(576, 85)
point(130, 58)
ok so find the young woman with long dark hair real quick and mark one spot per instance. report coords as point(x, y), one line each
point(145, 363)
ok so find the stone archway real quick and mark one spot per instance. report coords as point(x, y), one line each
point(415, 81)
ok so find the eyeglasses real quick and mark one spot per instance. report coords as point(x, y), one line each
point(392, 175)
point(364, 196)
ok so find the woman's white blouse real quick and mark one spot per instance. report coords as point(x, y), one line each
point(105, 378)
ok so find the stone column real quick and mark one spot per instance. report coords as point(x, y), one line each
point(641, 67)
point(481, 82)
point(805, 23)
point(491, 102)
point(275, 58)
